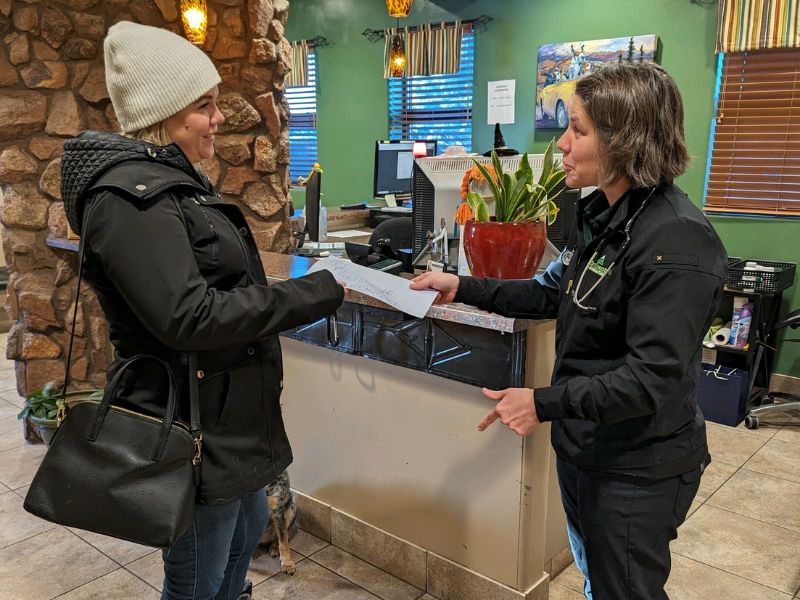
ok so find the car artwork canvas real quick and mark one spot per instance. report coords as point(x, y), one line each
point(561, 65)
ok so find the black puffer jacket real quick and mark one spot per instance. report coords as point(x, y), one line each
point(176, 270)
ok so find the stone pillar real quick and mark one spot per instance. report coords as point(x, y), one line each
point(52, 86)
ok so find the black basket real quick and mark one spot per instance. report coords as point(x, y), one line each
point(766, 282)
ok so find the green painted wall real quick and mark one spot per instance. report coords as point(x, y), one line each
point(352, 94)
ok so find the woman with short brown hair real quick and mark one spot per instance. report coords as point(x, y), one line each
point(634, 292)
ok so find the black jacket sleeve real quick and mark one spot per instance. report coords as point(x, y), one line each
point(676, 284)
point(526, 298)
point(146, 254)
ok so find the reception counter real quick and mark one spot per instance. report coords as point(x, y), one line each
point(382, 411)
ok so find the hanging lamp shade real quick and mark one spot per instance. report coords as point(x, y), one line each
point(194, 14)
point(398, 8)
point(397, 56)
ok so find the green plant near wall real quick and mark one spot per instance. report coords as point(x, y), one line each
point(518, 199)
point(43, 403)
point(41, 410)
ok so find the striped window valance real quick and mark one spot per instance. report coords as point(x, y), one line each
point(430, 49)
point(298, 76)
point(758, 24)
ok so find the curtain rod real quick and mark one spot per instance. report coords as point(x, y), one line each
point(481, 23)
point(319, 41)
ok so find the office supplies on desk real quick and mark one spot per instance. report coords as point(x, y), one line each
point(325, 245)
point(348, 233)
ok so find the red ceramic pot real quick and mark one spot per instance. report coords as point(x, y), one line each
point(504, 250)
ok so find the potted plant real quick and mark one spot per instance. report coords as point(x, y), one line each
point(40, 411)
point(510, 243)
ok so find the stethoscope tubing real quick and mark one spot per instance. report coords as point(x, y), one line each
point(577, 300)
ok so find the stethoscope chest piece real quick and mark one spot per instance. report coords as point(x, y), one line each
point(566, 257)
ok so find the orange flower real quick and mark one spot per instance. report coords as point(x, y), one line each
point(474, 174)
point(463, 213)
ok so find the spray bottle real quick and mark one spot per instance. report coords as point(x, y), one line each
point(738, 303)
point(743, 329)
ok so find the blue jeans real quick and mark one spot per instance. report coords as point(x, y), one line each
point(210, 560)
point(579, 554)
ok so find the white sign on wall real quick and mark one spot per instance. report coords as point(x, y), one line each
point(501, 102)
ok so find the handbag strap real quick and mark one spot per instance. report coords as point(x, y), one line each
point(194, 392)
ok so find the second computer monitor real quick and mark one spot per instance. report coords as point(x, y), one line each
point(393, 162)
point(312, 211)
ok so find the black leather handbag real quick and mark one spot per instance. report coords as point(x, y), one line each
point(118, 472)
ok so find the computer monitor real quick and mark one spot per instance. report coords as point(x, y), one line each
point(312, 205)
point(393, 162)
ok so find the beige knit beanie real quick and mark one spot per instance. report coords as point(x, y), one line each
point(151, 73)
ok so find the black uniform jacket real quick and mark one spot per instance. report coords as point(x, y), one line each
point(175, 270)
point(623, 396)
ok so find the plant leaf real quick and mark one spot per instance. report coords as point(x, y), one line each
point(478, 205)
point(492, 183)
point(509, 181)
point(547, 167)
point(517, 198)
point(483, 211)
point(552, 212)
point(555, 178)
point(49, 389)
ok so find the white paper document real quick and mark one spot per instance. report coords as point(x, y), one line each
point(391, 289)
point(501, 101)
point(348, 233)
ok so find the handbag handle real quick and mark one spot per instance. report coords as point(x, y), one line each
point(194, 393)
point(172, 403)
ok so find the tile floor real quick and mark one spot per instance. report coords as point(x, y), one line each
point(741, 541)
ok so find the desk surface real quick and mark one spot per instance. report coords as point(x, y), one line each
point(280, 267)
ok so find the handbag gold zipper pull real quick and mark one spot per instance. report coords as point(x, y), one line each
point(198, 449)
point(62, 413)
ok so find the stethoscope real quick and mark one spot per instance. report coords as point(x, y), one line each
point(579, 300)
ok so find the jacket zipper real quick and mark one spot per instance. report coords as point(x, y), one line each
point(215, 246)
point(245, 253)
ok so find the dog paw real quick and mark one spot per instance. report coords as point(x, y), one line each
point(274, 552)
point(289, 568)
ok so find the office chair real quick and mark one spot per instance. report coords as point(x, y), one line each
point(773, 402)
point(392, 235)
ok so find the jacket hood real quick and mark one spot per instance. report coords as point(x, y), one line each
point(94, 156)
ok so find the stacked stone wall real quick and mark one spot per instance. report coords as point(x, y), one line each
point(52, 86)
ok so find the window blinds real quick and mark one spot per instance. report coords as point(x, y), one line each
point(754, 165)
point(435, 107)
point(303, 123)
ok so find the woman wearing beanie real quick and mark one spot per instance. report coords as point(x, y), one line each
point(177, 270)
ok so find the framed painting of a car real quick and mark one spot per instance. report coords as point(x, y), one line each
point(561, 65)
